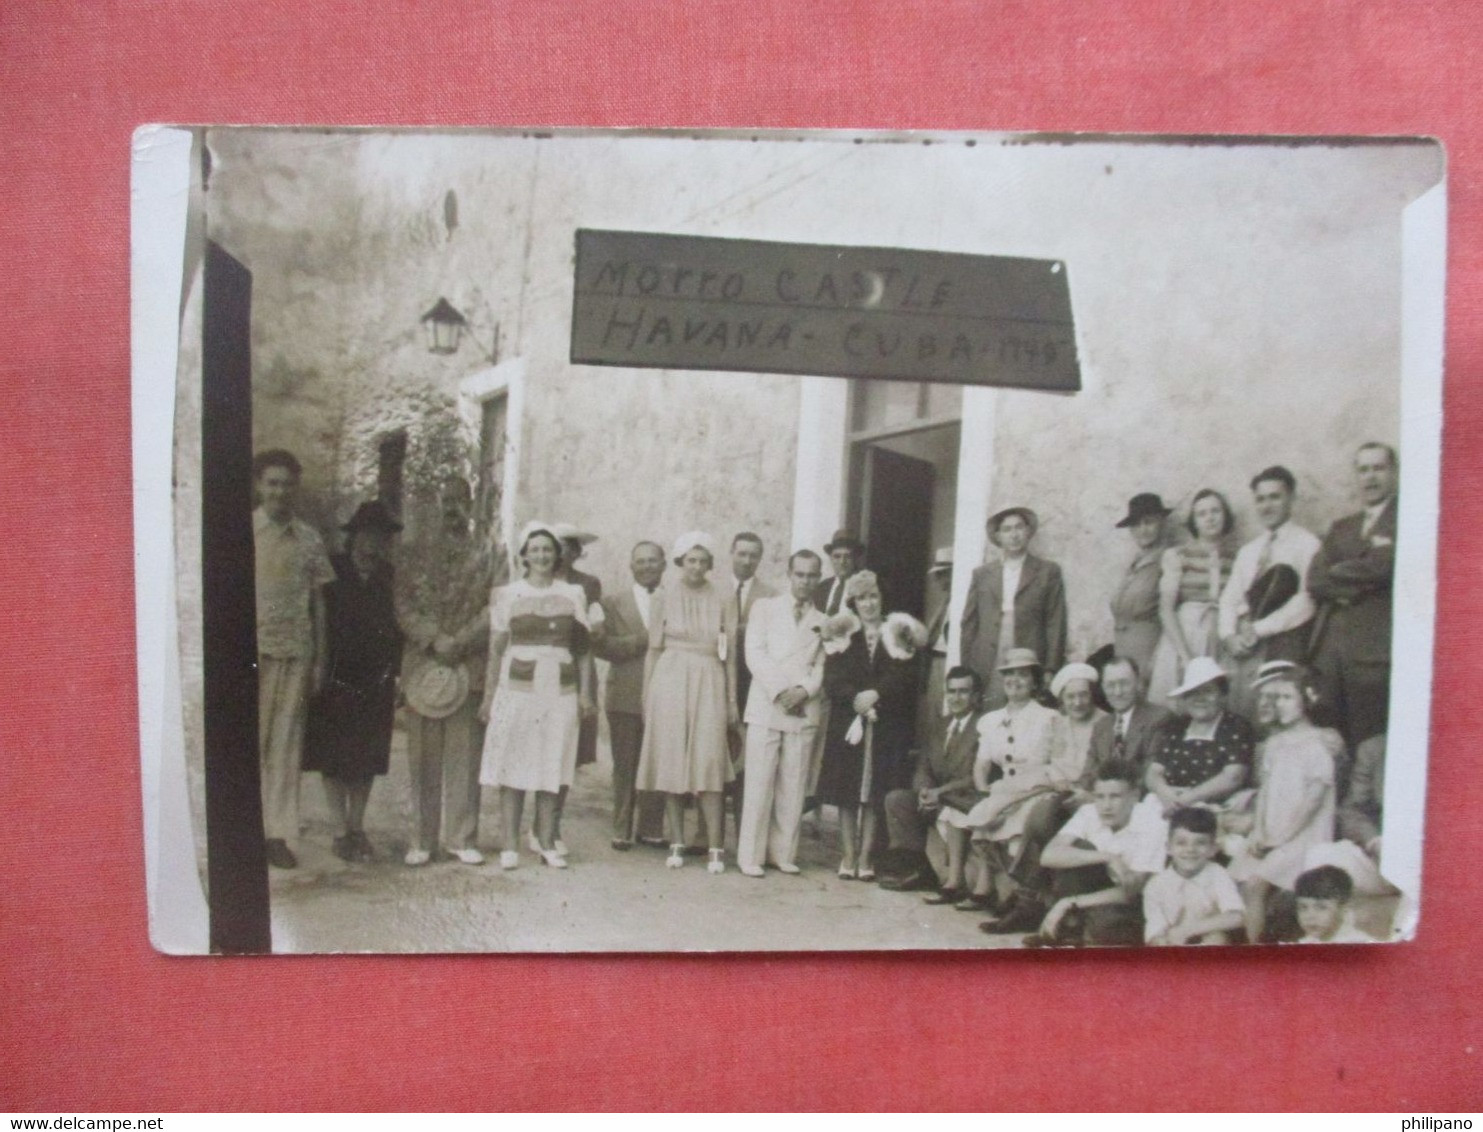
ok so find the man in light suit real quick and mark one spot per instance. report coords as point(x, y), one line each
point(1351, 576)
point(1028, 589)
point(746, 589)
point(624, 646)
point(786, 656)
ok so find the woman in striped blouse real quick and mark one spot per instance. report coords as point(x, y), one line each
point(1192, 577)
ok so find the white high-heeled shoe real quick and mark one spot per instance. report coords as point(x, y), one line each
point(509, 859)
point(717, 863)
point(676, 858)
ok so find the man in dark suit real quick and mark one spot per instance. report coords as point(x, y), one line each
point(944, 777)
point(846, 556)
point(1130, 730)
point(1351, 578)
point(624, 645)
point(1034, 598)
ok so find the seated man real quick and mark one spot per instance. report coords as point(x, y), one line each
point(1099, 863)
point(944, 777)
point(1359, 817)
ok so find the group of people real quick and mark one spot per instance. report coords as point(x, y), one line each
point(1193, 781)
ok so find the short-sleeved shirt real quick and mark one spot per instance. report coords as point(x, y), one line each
point(1170, 899)
point(1189, 762)
point(291, 564)
point(1140, 843)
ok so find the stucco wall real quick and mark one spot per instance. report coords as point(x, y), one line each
point(1235, 307)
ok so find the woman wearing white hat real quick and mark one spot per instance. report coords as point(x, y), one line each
point(540, 684)
point(690, 696)
point(1204, 755)
point(1018, 747)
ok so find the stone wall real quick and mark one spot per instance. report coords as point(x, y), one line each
point(1235, 307)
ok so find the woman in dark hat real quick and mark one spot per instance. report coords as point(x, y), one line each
point(348, 732)
point(1135, 603)
point(1016, 602)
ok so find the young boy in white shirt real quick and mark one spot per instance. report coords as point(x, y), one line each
point(1323, 906)
point(1193, 900)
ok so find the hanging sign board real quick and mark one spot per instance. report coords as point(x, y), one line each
point(651, 300)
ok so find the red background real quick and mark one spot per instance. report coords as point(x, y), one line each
point(92, 1019)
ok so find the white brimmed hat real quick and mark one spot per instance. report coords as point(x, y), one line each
point(1272, 669)
point(565, 531)
point(1199, 672)
point(1073, 671)
point(692, 540)
point(437, 690)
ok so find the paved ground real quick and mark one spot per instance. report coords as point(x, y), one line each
point(606, 901)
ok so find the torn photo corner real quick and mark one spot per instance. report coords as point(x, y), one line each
point(604, 541)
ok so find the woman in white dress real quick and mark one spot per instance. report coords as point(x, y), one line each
point(539, 685)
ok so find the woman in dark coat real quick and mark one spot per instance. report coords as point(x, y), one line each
point(872, 685)
point(348, 737)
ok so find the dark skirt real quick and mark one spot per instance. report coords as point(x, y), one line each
point(348, 732)
point(842, 771)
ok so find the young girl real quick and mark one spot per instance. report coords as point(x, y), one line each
point(1295, 796)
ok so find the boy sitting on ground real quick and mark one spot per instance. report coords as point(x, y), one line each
point(1194, 900)
point(1101, 860)
point(1323, 906)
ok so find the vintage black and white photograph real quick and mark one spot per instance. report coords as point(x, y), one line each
point(588, 541)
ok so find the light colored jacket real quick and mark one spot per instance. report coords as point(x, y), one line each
point(783, 654)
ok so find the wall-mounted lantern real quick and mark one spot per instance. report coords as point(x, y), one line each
point(444, 325)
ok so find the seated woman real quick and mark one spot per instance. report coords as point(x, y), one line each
point(1203, 756)
point(1028, 743)
point(1295, 801)
point(690, 697)
point(1191, 579)
point(871, 685)
point(540, 684)
point(1072, 688)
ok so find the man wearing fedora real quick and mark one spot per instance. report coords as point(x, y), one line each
point(291, 571)
point(443, 591)
point(1136, 628)
point(846, 557)
point(1351, 576)
point(348, 737)
point(1016, 602)
point(1265, 609)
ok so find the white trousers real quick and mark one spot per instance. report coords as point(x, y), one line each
point(283, 697)
point(777, 769)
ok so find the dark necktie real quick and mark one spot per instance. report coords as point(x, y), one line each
point(1120, 737)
